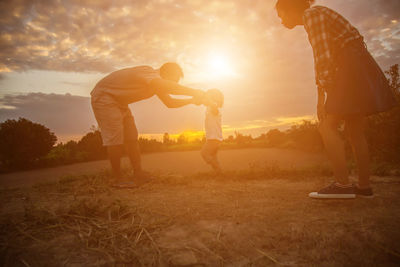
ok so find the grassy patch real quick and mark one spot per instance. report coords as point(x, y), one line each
point(256, 217)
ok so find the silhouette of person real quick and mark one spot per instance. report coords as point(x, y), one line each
point(350, 85)
point(110, 99)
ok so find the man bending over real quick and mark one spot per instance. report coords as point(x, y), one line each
point(110, 99)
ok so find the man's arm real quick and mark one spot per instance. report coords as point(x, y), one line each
point(165, 87)
point(175, 103)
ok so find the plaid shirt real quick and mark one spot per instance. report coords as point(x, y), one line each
point(327, 31)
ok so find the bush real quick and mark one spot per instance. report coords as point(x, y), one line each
point(23, 143)
point(306, 137)
point(62, 154)
point(91, 146)
point(150, 145)
point(275, 137)
point(383, 131)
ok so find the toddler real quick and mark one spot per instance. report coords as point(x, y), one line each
point(214, 100)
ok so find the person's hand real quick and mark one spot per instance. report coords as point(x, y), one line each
point(197, 100)
point(321, 112)
point(199, 93)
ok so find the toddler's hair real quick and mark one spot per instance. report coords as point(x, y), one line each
point(216, 96)
point(298, 5)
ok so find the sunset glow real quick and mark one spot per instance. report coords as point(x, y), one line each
point(220, 65)
point(200, 133)
point(53, 53)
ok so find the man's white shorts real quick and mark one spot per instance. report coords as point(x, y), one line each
point(115, 120)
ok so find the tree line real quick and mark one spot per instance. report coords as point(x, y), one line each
point(25, 144)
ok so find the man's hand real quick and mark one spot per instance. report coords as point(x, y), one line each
point(200, 93)
point(176, 102)
point(197, 100)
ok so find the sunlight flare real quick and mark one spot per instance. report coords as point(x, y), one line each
point(219, 65)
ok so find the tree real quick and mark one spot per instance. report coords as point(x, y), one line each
point(394, 80)
point(242, 139)
point(275, 137)
point(62, 154)
point(181, 139)
point(384, 128)
point(22, 142)
point(166, 139)
point(149, 145)
point(91, 145)
point(305, 136)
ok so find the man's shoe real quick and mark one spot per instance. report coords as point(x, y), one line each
point(334, 191)
point(364, 193)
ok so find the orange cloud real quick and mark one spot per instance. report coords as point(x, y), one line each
point(103, 35)
point(260, 126)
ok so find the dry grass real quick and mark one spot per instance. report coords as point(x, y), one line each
point(257, 217)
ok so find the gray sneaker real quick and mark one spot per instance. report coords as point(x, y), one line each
point(334, 191)
point(364, 193)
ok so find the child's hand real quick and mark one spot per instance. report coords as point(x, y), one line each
point(197, 100)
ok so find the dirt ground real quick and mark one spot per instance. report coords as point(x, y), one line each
point(257, 217)
point(182, 163)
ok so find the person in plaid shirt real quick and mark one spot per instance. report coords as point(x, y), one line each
point(350, 85)
point(327, 32)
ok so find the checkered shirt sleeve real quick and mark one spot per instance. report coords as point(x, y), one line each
point(327, 31)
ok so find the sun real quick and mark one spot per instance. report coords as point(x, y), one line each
point(219, 65)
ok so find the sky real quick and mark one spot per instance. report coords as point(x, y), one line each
point(52, 53)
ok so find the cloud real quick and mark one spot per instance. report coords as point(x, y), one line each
point(377, 21)
point(100, 36)
point(63, 114)
point(80, 84)
point(256, 127)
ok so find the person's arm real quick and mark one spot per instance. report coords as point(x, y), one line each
point(165, 87)
point(321, 113)
point(316, 26)
point(174, 102)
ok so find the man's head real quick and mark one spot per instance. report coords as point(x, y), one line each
point(291, 11)
point(171, 71)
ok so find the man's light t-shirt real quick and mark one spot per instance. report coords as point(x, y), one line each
point(213, 125)
point(128, 85)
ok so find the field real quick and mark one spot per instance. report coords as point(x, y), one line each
point(254, 217)
point(182, 163)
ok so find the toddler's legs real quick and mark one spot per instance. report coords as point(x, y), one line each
point(209, 154)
